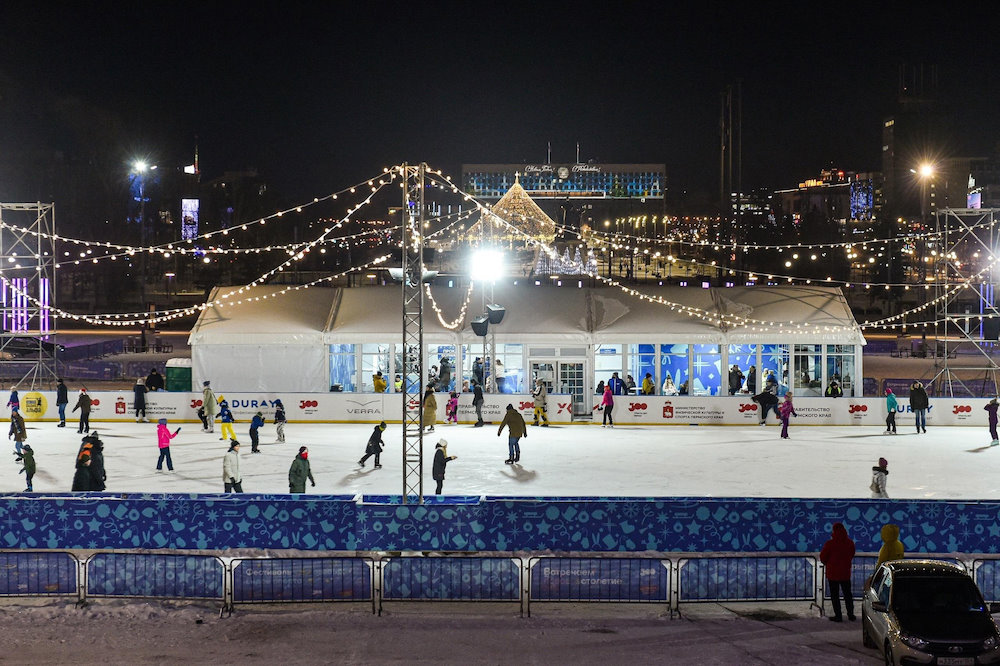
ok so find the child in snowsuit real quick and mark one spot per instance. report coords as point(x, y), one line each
point(163, 437)
point(204, 419)
point(787, 410)
point(17, 431)
point(880, 475)
point(452, 408)
point(14, 402)
point(375, 445)
point(28, 457)
point(227, 419)
point(280, 420)
point(890, 406)
point(991, 409)
point(255, 425)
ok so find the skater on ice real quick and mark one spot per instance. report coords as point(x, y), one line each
point(477, 402)
point(28, 460)
point(227, 419)
point(83, 403)
point(62, 399)
point(163, 437)
point(451, 407)
point(231, 478)
point(787, 410)
point(991, 410)
point(209, 403)
point(139, 391)
point(430, 409)
point(204, 419)
point(768, 402)
point(539, 394)
point(255, 425)
point(441, 460)
point(299, 472)
point(18, 431)
point(279, 421)
point(607, 406)
point(890, 406)
point(15, 401)
point(919, 404)
point(374, 447)
point(880, 475)
point(516, 429)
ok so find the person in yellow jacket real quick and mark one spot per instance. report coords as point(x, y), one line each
point(648, 386)
point(516, 429)
point(892, 547)
point(430, 409)
point(539, 394)
point(378, 381)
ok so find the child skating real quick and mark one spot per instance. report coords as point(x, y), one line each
point(28, 460)
point(375, 445)
point(279, 421)
point(452, 408)
point(227, 419)
point(787, 410)
point(255, 424)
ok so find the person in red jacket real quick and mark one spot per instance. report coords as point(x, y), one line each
point(837, 555)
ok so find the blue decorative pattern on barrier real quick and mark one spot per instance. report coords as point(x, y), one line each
point(451, 579)
point(153, 575)
point(302, 579)
point(599, 579)
point(987, 576)
point(44, 574)
point(321, 523)
point(747, 578)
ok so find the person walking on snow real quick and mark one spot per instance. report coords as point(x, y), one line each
point(18, 431)
point(210, 404)
point(299, 472)
point(607, 406)
point(880, 475)
point(430, 409)
point(451, 408)
point(256, 424)
point(787, 410)
point(139, 390)
point(28, 460)
point(83, 403)
point(279, 421)
point(163, 437)
point(15, 401)
point(837, 555)
point(890, 406)
point(375, 445)
point(539, 394)
point(441, 460)
point(516, 429)
point(919, 404)
point(991, 409)
point(62, 399)
point(231, 469)
point(226, 417)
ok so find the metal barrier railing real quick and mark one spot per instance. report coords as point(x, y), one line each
point(368, 578)
point(599, 579)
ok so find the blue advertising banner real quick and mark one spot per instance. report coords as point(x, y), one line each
point(37, 574)
point(302, 579)
point(153, 575)
point(599, 579)
point(451, 578)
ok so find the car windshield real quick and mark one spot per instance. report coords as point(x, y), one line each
point(936, 595)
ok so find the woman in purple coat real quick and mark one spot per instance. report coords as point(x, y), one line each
point(787, 411)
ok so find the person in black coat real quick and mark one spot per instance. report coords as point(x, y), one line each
point(62, 399)
point(374, 447)
point(98, 477)
point(441, 460)
point(82, 478)
point(919, 404)
point(477, 402)
point(767, 402)
point(139, 390)
point(834, 390)
point(154, 381)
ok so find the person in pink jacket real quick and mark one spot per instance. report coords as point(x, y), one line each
point(787, 411)
point(163, 437)
point(607, 405)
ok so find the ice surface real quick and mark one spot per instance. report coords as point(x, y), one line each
point(720, 461)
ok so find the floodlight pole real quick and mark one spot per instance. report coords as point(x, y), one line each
point(413, 331)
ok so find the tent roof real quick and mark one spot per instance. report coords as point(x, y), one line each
point(544, 314)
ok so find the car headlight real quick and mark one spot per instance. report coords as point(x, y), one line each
point(913, 641)
point(990, 643)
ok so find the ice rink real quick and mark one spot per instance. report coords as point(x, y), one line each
point(576, 460)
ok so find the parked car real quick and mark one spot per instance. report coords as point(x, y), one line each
point(928, 612)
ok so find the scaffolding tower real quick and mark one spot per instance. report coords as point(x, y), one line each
point(413, 331)
point(28, 349)
point(961, 325)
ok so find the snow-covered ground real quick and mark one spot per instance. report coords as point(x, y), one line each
point(721, 461)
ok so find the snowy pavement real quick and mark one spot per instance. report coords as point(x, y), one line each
point(577, 460)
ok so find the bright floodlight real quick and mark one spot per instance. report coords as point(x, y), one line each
point(140, 166)
point(926, 170)
point(487, 265)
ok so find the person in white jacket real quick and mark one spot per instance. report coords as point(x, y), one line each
point(880, 475)
point(231, 469)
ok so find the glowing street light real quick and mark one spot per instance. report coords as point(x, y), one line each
point(486, 265)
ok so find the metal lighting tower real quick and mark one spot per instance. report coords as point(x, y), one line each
point(412, 213)
point(963, 231)
point(27, 292)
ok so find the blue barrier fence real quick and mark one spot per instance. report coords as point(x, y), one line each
point(155, 576)
point(38, 574)
point(303, 579)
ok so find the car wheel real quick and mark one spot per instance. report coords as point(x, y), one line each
point(865, 636)
point(888, 654)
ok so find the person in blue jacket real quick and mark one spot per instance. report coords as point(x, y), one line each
point(616, 384)
point(255, 424)
point(227, 419)
point(890, 406)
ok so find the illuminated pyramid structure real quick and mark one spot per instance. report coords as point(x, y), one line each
point(519, 211)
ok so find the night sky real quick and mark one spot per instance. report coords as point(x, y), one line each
point(320, 98)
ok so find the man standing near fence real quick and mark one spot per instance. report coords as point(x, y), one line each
point(836, 556)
